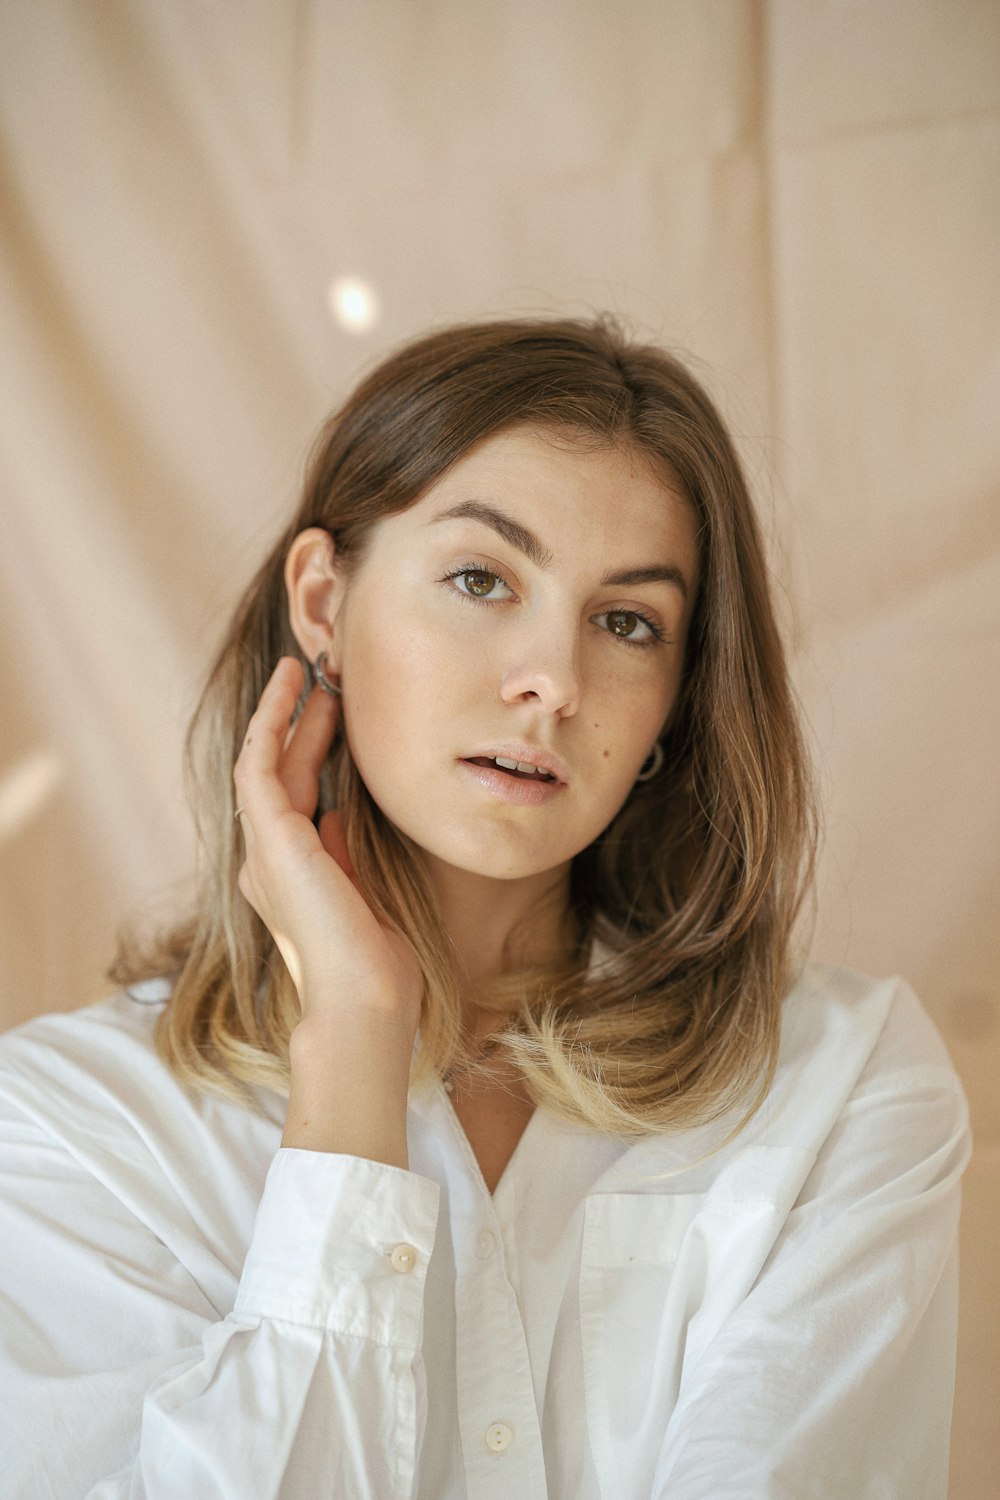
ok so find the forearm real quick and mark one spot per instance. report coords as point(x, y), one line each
point(350, 1081)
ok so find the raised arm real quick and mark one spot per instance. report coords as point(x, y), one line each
point(133, 1361)
point(358, 982)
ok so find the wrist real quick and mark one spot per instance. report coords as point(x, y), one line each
point(350, 1076)
point(321, 1035)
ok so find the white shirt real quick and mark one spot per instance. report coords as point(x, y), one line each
point(190, 1311)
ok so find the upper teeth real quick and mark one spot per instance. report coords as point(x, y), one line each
point(520, 765)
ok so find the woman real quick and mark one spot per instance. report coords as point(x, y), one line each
point(486, 1137)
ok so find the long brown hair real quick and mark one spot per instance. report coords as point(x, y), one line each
point(689, 895)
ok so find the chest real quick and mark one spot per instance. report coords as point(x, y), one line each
point(494, 1121)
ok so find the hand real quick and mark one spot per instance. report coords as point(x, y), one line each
point(300, 881)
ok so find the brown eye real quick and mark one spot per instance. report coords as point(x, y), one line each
point(622, 622)
point(479, 583)
point(631, 628)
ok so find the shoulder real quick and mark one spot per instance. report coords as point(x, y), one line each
point(836, 1012)
point(103, 1048)
point(846, 1036)
point(93, 1081)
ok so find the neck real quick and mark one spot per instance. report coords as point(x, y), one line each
point(482, 915)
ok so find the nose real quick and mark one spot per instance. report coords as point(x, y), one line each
point(547, 673)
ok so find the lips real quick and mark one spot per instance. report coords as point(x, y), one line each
point(518, 771)
point(509, 787)
point(518, 756)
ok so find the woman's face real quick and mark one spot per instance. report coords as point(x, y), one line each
point(533, 604)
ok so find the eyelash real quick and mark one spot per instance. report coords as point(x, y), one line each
point(659, 637)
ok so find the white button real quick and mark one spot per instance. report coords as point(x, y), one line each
point(499, 1437)
point(402, 1258)
point(486, 1243)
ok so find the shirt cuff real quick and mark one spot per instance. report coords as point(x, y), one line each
point(341, 1243)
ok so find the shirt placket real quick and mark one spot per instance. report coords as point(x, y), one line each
point(498, 1417)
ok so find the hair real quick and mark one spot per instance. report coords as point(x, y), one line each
point(689, 895)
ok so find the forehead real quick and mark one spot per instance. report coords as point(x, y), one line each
point(572, 483)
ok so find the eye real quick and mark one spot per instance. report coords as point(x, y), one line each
point(632, 627)
point(477, 583)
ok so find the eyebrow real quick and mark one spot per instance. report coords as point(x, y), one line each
point(527, 542)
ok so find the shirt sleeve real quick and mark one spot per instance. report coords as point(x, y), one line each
point(833, 1379)
point(118, 1378)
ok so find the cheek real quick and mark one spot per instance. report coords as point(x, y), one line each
point(628, 718)
point(377, 676)
point(398, 684)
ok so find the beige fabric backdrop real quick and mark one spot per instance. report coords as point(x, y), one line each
point(802, 194)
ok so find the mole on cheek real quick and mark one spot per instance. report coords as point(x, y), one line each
point(606, 753)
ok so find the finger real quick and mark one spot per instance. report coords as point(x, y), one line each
point(307, 749)
point(259, 790)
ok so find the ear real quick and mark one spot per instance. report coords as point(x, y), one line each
point(315, 593)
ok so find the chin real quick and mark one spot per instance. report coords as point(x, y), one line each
point(497, 859)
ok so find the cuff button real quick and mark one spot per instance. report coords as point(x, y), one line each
point(402, 1258)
